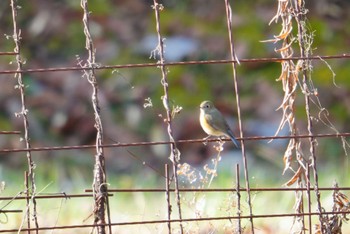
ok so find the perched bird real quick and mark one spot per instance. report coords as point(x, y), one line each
point(214, 123)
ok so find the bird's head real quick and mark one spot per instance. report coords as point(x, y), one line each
point(206, 105)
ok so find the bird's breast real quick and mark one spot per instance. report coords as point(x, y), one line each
point(208, 127)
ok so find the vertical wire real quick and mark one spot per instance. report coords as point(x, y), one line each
point(308, 195)
point(167, 196)
point(174, 152)
point(234, 70)
point(238, 199)
point(26, 184)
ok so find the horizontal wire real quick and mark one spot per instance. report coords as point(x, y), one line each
point(9, 132)
point(177, 220)
point(261, 189)
point(117, 145)
point(155, 190)
point(8, 53)
point(11, 211)
point(139, 65)
point(63, 195)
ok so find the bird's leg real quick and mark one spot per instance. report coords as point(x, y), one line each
point(206, 140)
point(222, 138)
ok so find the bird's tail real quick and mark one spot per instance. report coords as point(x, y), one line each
point(233, 139)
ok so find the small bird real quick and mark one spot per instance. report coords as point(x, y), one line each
point(214, 123)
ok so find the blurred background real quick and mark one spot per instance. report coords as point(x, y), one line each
point(59, 103)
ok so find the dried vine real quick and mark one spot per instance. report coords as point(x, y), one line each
point(99, 183)
point(174, 151)
point(30, 176)
point(296, 75)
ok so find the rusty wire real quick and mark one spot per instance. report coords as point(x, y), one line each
point(49, 196)
point(167, 195)
point(90, 69)
point(8, 53)
point(159, 221)
point(140, 65)
point(265, 189)
point(189, 141)
point(9, 132)
point(238, 102)
point(10, 211)
point(162, 190)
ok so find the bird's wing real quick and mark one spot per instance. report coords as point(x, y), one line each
point(220, 124)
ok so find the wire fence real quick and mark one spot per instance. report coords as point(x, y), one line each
point(295, 74)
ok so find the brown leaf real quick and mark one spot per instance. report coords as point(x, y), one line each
point(285, 34)
point(288, 155)
point(296, 176)
point(282, 76)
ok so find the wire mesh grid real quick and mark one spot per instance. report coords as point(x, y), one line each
point(177, 214)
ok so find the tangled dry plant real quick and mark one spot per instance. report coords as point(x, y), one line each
point(290, 81)
point(202, 179)
point(297, 76)
point(334, 222)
